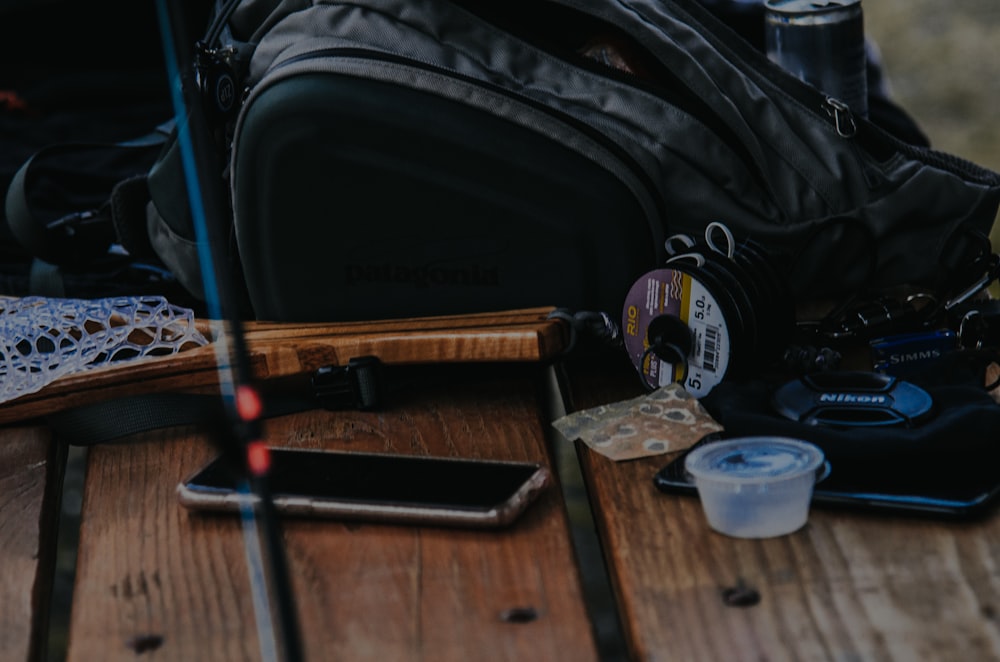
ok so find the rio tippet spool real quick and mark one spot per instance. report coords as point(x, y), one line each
point(674, 300)
point(709, 313)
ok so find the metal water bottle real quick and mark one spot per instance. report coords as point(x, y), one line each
point(823, 43)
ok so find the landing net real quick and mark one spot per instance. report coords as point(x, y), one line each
point(46, 338)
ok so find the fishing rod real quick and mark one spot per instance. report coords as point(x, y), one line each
point(239, 431)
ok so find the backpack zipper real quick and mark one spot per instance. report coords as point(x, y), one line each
point(843, 118)
point(871, 138)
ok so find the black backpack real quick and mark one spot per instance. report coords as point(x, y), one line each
point(391, 158)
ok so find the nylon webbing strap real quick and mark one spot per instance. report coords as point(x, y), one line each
point(114, 419)
point(354, 386)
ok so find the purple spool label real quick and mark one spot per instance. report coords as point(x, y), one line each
point(673, 292)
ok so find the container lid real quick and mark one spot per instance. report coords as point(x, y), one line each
point(754, 459)
point(805, 8)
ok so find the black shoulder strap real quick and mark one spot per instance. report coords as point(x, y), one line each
point(58, 202)
point(357, 385)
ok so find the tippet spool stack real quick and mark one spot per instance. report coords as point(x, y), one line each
point(712, 311)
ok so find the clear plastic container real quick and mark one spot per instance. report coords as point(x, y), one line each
point(756, 487)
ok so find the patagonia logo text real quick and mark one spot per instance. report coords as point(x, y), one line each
point(422, 276)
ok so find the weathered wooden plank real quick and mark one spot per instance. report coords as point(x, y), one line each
point(153, 575)
point(846, 587)
point(31, 470)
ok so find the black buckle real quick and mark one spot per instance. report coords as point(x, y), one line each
point(357, 385)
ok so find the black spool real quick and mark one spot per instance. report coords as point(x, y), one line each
point(737, 307)
point(733, 281)
point(769, 302)
point(670, 339)
point(779, 312)
point(745, 319)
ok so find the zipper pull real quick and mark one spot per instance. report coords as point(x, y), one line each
point(842, 116)
point(984, 281)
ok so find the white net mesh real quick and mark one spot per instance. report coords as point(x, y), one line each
point(46, 338)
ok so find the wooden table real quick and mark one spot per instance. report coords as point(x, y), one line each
point(154, 580)
point(150, 571)
point(30, 480)
point(845, 587)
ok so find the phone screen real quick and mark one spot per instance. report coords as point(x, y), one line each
point(383, 485)
point(948, 496)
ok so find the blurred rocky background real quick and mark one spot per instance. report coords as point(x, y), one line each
point(942, 59)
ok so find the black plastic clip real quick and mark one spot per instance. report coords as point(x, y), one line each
point(357, 385)
point(978, 324)
point(589, 325)
point(869, 319)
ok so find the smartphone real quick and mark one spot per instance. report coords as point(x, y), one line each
point(948, 496)
point(383, 487)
